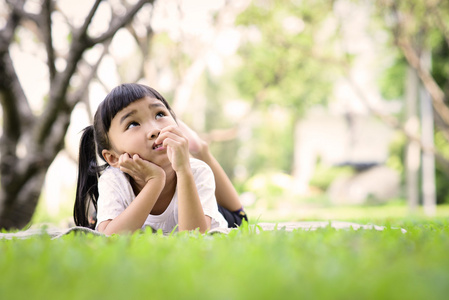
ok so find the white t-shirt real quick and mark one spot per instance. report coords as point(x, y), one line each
point(116, 194)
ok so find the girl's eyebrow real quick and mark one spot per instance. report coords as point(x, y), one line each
point(122, 119)
point(156, 104)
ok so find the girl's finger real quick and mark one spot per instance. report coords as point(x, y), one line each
point(172, 128)
point(125, 170)
point(136, 158)
point(168, 142)
point(171, 136)
point(170, 131)
point(123, 158)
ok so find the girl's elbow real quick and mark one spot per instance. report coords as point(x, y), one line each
point(104, 228)
point(204, 230)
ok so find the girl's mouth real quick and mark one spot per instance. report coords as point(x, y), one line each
point(158, 146)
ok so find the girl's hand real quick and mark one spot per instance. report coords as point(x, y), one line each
point(139, 169)
point(177, 147)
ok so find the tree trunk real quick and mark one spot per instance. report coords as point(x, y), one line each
point(22, 181)
point(19, 205)
point(413, 149)
point(428, 158)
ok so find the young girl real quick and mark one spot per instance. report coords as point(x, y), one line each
point(149, 178)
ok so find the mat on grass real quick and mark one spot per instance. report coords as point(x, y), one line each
point(308, 226)
point(287, 226)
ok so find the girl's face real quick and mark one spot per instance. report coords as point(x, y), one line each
point(135, 129)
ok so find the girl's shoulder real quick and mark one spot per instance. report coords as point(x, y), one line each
point(199, 166)
point(201, 171)
point(115, 181)
point(112, 174)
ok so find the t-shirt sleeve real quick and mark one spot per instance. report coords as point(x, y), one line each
point(205, 183)
point(114, 195)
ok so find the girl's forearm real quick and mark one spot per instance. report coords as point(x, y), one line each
point(190, 210)
point(134, 216)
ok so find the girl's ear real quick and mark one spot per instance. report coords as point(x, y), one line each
point(111, 158)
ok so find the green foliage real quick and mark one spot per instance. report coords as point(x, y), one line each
point(442, 187)
point(442, 190)
point(322, 264)
point(271, 145)
point(440, 64)
point(216, 94)
point(270, 188)
point(226, 151)
point(323, 175)
point(392, 81)
point(397, 154)
point(283, 68)
point(422, 24)
point(284, 65)
point(440, 72)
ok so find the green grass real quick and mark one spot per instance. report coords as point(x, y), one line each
point(322, 264)
point(395, 211)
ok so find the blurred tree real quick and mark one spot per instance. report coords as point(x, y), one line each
point(284, 53)
point(289, 44)
point(288, 65)
point(31, 139)
point(415, 27)
point(419, 29)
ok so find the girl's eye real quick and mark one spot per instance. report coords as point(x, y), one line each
point(160, 115)
point(132, 124)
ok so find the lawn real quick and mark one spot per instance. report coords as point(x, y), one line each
point(321, 264)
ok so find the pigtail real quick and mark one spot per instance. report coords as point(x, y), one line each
point(87, 185)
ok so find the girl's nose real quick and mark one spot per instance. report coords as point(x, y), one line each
point(153, 133)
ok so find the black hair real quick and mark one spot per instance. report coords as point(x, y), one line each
point(95, 139)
